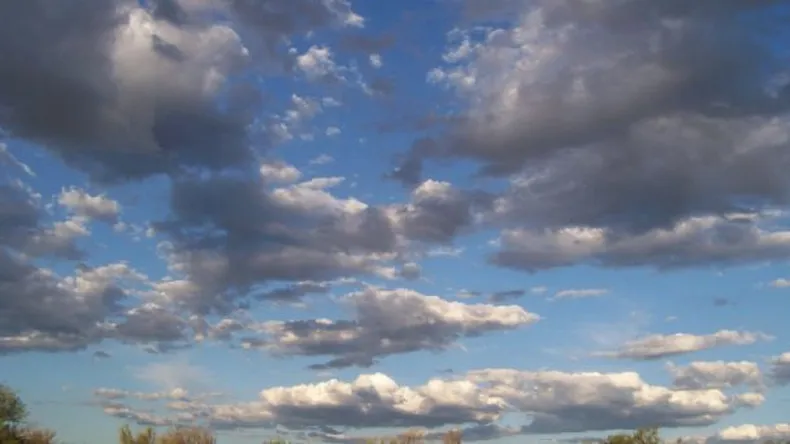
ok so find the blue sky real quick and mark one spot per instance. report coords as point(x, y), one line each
point(330, 219)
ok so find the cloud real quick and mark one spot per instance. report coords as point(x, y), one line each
point(557, 401)
point(780, 369)
point(375, 61)
point(323, 159)
point(700, 375)
point(295, 292)
point(697, 241)
point(387, 322)
point(158, 89)
point(438, 212)
point(7, 158)
point(618, 160)
point(229, 234)
point(579, 293)
point(410, 271)
point(279, 172)
point(752, 433)
point(780, 283)
point(318, 64)
point(80, 203)
point(504, 295)
point(662, 346)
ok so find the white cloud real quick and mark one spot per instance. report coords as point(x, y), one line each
point(323, 159)
point(579, 293)
point(375, 61)
point(7, 158)
point(83, 204)
point(751, 433)
point(661, 346)
point(390, 322)
point(555, 401)
point(780, 283)
point(317, 63)
point(280, 172)
point(716, 375)
point(332, 131)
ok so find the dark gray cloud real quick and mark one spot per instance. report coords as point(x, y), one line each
point(145, 108)
point(129, 122)
point(43, 311)
point(505, 295)
point(438, 212)
point(230, 234)
point(696, 242)
point(295, 292)
point(410, 271)
point(38, 309)
point(780, 369)
point(623, 118)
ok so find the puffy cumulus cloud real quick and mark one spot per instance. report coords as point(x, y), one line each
point(388, 322)
point(43, 311)
point(81, 203)
point(626, 143)
point(410, 271)
point(716, 374)
point(662, 346)
point(751, 433)
point(146, 87)
point(780, 283)
point(280, 172)
point(39, 309)
point(23, 229)
point(554, 402)
point(159, 91)
point(149, 78)
point(577, 402)
point(228, 235)
point(780, 369)
point(437, 212)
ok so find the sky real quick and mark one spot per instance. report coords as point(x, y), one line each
point(531, 220)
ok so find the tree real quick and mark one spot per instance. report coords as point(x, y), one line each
point(12, 410)
point(148, 436)
point(641, 436)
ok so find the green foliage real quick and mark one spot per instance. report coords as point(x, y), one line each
point(641, 436)
point(188, 435)
point(12, 409)
point(13, 434)
point(126, 436)
point(180, 435)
